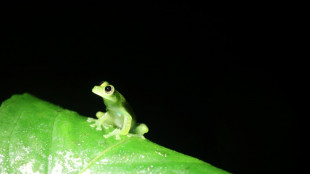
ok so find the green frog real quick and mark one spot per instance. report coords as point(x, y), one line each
point(118, 114)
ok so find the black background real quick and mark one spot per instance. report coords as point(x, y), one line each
point(220, 83)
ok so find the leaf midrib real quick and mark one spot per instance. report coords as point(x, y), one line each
point(51, 144)
point(109, 148)
point(10, 138)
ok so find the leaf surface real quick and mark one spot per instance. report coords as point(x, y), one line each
point(40, 137)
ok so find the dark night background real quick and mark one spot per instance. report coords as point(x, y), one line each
point(217, 83)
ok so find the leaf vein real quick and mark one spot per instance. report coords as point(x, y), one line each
point(10, 137)
point(102, 153)
point(51, 144)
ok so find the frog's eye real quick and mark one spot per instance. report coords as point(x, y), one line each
point(109, 89)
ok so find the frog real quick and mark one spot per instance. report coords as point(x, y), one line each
point(118, 114)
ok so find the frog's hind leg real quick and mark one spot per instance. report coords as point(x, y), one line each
point(141, 129)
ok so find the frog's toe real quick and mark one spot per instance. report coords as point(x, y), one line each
point(97, 125)
point(117, 137)
point(91, 120)
point(93, 125)
point(108, 135)
point(98, 128)
point(105, 126)
point(136, 135)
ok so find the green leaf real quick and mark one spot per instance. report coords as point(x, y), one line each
point(39, 137)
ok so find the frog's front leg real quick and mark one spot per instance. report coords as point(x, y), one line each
point(115, 132)
point(102, 117)
point(124, 130)
point(126, 124)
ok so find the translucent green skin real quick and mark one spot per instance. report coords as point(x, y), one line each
point(118, 114)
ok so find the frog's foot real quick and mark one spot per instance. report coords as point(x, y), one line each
point(115, 132)
point(141, 129)
point(91, 119)
point(97, 123)
point(135, 135)
point(106, 126)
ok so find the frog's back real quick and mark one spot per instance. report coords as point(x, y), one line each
point(129, 109)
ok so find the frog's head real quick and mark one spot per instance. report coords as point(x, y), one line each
point(106, 91)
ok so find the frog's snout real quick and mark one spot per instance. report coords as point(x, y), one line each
point(97, 90)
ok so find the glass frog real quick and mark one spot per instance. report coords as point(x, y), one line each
point(118, 113)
